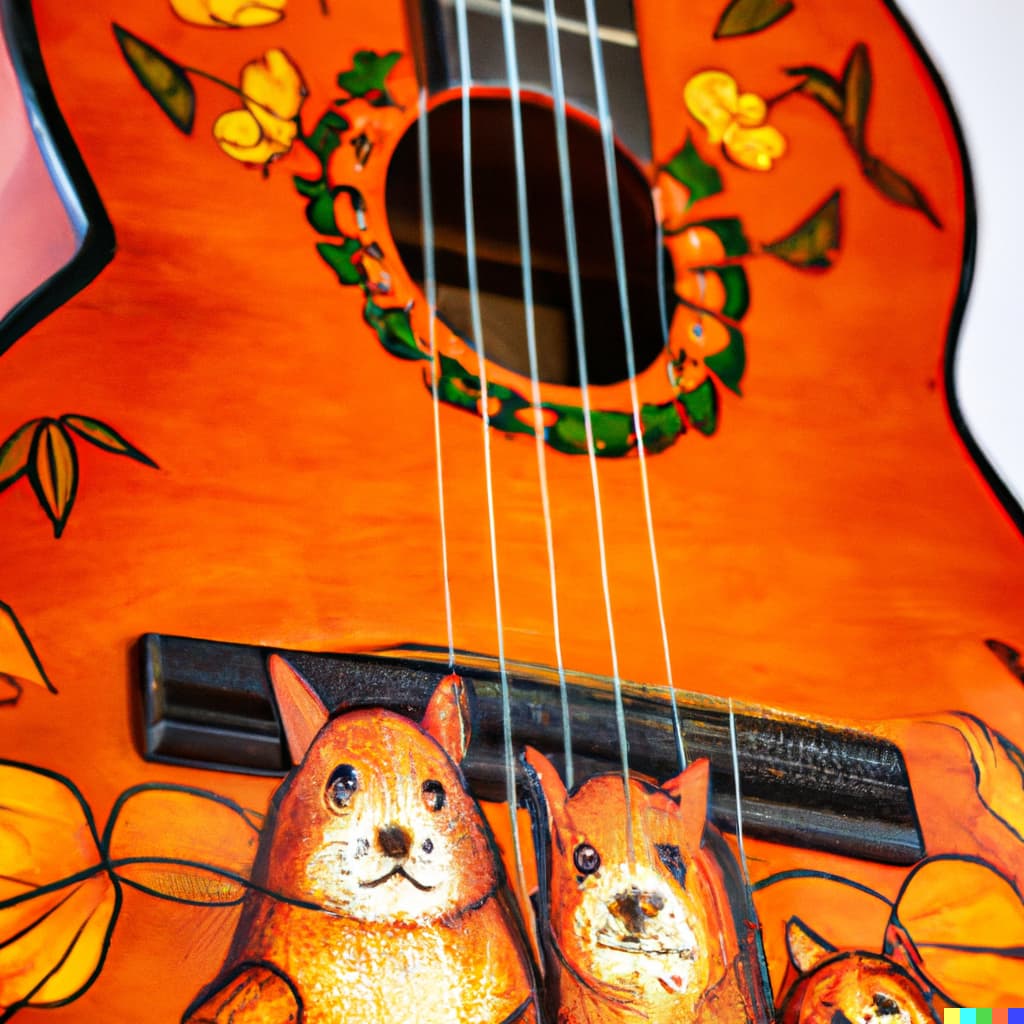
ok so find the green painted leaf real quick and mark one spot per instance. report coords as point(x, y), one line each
point(729, 231)
point(164, 79)
point(325, 137)
point(662, 426)
point(463, 392)
point(856, 96)
point(307, 188)
point(742, 17)
point(507, 418)
point(689, 167)
point(106, 437)
point(820, 86)
point(395, 331)
point(896, 187)
point(737, 289)
point(14, 453)
point(729, 364)
point(368, 75)
point(701, 407)
point(320, 214)
point(339, 259)
point(812, 242)
point(613, 432)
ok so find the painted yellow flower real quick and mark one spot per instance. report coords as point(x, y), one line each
point(266, 128)
point(229, 13)
point(734, 119)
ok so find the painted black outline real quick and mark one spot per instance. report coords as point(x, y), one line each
point(895, 923)
point(1000, 491)
point(7, 610)
point(96, 239)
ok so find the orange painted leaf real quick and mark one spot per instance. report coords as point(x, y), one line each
point(965, 922)
point(14, 454)
point(57, 902)
point(104, 436)
point(53, 471)
point(18, 658)
point(206, 858)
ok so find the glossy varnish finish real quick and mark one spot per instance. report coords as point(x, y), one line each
point(831, 550)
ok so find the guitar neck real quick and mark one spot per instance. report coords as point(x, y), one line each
point(616, 30)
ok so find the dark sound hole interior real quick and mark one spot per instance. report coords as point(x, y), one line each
point(498, 257)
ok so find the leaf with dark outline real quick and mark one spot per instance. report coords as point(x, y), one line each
point(104, 436)
point(692, 170)
point(18, 657)
point(744, 17)
point(325, 137)
point(661, 425)
point(164, 79)
point(857, 97)
point(368, 76)
point(701, 406)
point(14, 454)
point(809, 244)
point(339, 259)
point(899, 189)
point(730, 364)
point(820, 86)
point(53, 472)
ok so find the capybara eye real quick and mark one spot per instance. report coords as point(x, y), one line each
point(433, 795)
point(885, 1005)
point(341, 785)
point(586, 859)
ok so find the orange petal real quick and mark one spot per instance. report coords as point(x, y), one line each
point(17, 657)
point(966, 924)
point(45, 831)
point(214, 839)
point(702, 289)
point(694, 247)
point(59, 952)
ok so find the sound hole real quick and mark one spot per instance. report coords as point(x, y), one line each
point(498, 256)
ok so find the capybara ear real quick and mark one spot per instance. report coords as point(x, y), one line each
point(303, 713)
point(448, 717)
point(692, 789)
point(806, 949)
point(555, 795)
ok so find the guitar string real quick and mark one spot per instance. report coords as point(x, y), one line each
point(430, 292)
point(739, 799)
point(465, 74)
point(575, 287)
point(525, 259)
point(618, 247)
point(659, 240)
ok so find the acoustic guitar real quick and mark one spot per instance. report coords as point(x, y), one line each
point(527, 429)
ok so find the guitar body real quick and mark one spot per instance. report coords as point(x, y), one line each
point(830, 549)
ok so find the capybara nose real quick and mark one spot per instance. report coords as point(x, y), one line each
point(393, 840)
point(633, 908)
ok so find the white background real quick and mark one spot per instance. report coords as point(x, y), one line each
point(978, 47)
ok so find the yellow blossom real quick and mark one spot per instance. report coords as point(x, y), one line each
point(229, 13)
point(734, 119)
point(266, 128)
